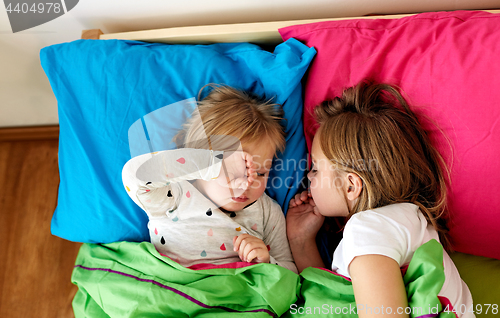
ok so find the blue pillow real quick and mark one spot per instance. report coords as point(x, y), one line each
point(104, 86)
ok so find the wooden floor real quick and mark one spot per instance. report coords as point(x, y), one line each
point(35, 267)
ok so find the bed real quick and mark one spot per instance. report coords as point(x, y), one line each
point(445, 62)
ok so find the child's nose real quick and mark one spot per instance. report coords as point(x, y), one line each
point(309, 175)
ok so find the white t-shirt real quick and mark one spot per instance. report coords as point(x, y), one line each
point(396, 231)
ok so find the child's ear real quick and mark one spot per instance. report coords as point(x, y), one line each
point(354, 186)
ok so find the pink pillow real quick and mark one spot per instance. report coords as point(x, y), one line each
point(448, 65)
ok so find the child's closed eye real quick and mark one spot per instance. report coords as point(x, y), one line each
point(313, 169)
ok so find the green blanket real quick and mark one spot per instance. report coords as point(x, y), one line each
point(133, 280)
point(325, 294)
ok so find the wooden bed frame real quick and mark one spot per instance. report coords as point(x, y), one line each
point(259, 32)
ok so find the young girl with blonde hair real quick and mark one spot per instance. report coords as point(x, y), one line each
point(205, 200)
point(373, 163)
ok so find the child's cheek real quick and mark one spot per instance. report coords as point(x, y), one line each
point(315, 189)
point(313, 184)
point(259, 184)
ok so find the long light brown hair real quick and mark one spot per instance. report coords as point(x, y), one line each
point(371, 131)
point(233, 112)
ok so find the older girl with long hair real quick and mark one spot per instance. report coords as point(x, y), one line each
point(373, 163)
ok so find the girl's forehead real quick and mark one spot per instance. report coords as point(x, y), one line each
point(316, 148)
point(317, 154)
point(262, 153)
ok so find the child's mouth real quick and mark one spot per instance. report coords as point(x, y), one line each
point(240, 198)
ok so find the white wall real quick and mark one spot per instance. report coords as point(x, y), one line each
point(25, 94)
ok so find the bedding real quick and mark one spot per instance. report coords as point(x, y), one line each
point(446, 63)
point(133, 280)
point(103, 87)
point(127, 279)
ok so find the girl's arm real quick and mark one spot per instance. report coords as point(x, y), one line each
point(378, 286)
point(303, 222)
point(147, 178)
point(179, 164)
point(306, 254)
point(154, 197)
point(275, 238)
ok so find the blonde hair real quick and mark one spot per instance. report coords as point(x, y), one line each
point(371, 131)
point(233, 112)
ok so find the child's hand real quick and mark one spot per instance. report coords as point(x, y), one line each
point(303, 219)
point(237, 171)
point(251, 249)
point(300, 198)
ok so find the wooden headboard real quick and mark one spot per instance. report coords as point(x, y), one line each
point(259, 32)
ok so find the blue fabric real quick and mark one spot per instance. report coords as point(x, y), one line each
point(104, 87)
point(153, 133)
